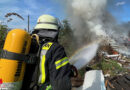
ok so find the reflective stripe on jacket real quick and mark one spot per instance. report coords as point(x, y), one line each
point(42, 66)
point(55, 67)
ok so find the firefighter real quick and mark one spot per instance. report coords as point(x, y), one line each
point(55, 72)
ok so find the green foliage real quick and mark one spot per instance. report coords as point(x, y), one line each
point(66, 38)
point(82, 72)
point(109, 66)
point(3, 32)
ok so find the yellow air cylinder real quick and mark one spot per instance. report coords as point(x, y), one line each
point(12, 71)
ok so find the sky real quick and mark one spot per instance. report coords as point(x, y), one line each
point(33, 8)
point(120, 9)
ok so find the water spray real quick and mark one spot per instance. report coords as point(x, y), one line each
point(84, 55)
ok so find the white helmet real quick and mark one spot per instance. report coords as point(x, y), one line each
point(48, 22)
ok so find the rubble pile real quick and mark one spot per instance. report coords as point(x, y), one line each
point(118, 82)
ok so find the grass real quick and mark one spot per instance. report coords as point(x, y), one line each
point(82, 72)
point(109, 67)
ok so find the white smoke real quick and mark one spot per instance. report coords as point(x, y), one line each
point(91, 21)
point(86, 17)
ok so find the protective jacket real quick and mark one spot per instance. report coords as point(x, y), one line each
point(55, 70)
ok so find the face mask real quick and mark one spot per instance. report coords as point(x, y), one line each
point(43, 33)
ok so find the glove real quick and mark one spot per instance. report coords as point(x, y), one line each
point(74, 71)
point(76, 80)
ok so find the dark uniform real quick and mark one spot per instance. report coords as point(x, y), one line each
point(55, 70)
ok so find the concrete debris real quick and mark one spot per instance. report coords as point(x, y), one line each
point(94, 80)
point(107, 75)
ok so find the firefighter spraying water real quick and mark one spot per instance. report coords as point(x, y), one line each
point(52, 69)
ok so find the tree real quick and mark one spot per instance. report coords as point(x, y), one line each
point(66, 38)
point(3, 32)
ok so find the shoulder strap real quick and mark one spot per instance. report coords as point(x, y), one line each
point(13, 56)
point(30, 59)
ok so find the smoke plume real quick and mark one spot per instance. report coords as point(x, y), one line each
point(91, 21)
point(86, 17)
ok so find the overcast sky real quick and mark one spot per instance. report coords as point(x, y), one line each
point(119, 8)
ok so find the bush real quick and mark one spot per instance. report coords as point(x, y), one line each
point(66, 38)
point(109, 66)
